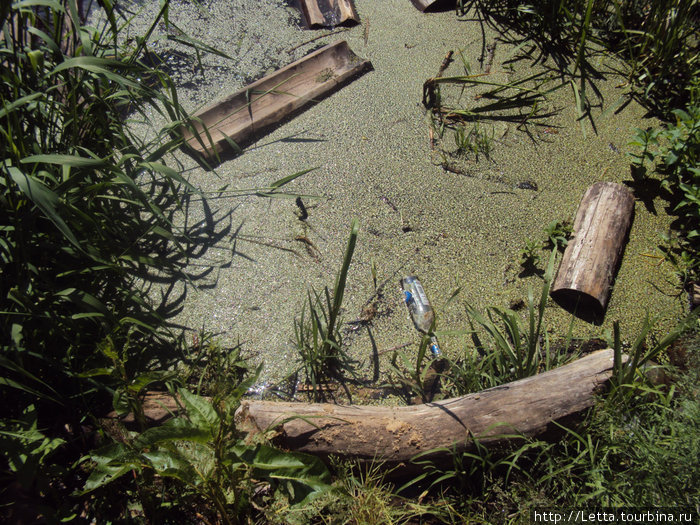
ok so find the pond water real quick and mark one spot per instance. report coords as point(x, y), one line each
point(370, 146)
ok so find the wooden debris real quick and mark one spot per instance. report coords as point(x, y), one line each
point(328, 13)
point(396, 434)
point(591, 258)
point(490, 53)
point(264, 103)
point(445, 63)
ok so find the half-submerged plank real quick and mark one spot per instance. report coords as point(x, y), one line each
point(396, 434)
point(328, 13)
point(593, 254)
point(249, 111)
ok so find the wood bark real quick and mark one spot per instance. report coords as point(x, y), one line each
point(592, 257)
point(396, 434)
point(328, 13)
point(264, 103)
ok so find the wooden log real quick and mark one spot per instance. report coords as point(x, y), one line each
point(591, 259)
point(264, 103)
point(396, 434)
point(328, 13)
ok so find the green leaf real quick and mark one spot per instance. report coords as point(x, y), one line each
point(306, 476)
point(177, 429)
point(143, 380)
point(284, 180)
point(53, 4)
point(170, 463)
point(74, 161)
point(112, 462)
point(12, 106)
point(45, 199)
point(200, 411)
point(84, 300)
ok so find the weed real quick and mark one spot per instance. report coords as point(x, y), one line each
point(557, 237)
point(476, 141)
point(203, 453)
point(530, 254)
point(674, 150)
point(418, 378)
point(87, 207)
point(317, 331)
point(558, 234)
point(658, 40)
point(517, 350)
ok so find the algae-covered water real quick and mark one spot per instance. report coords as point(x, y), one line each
point(370, 147)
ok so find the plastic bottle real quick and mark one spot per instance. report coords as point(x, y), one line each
point(419, 307)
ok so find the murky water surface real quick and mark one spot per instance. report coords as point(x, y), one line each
point(461, 227)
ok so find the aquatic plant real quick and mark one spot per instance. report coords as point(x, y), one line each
point(673, 151)
point(317, 331)
point(657, 40)
point(558, 233)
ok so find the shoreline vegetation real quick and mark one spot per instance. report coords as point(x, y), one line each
point(90, 227)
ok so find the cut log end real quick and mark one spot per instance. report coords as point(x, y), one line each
point(579, 303)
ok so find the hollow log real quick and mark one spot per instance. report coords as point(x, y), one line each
point(591, 259)
point(247, 113)
point(328, 13)
point(526, 407)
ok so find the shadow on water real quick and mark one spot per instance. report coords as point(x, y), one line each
point(546, 42)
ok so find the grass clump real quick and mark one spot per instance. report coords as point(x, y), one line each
point(87, 206)
point(657, 40)
point(317, 331)
point(87, 226)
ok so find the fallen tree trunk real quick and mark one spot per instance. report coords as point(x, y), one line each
point(396, 434)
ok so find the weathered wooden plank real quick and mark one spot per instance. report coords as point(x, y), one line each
point(328, 13)
point(591, 258)
point(251, 110)
point(396, 434)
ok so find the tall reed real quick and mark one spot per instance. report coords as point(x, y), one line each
point(86, 205)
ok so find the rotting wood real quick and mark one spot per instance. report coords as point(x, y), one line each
point(592, 256)
point(328, 13)
point(396, 434)
point(253, 109)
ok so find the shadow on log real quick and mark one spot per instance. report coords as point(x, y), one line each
point(396, 434)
